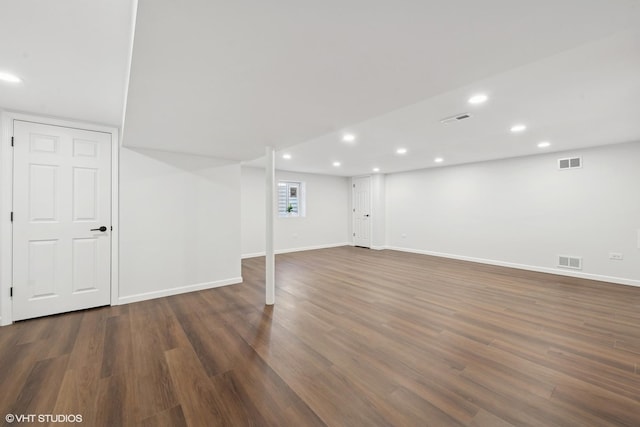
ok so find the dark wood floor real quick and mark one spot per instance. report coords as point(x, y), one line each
point(357, 338)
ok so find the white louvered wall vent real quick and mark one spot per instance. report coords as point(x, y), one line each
point(566, 261)
point(455, 119)
point(570, 163)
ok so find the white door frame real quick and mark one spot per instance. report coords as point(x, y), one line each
point(6, 202)
point(371, 219)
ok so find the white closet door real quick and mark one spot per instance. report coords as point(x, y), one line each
point(61, 199)
point(362, 212)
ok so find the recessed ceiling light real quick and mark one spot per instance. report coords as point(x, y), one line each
point(286, 156)
point(401, 151)
point(518, 128)
point(478, 99)
point(544, 144)
point(348, 137)
point(376, 169)
point(336, 164)
point(438, 160)
point(6, 77)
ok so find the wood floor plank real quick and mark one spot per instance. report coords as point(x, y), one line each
point(154, 329)
point(332, 397)
point(62, 339)
point(16, 363)
point(78, 394)
point(117, 354)
point(89, 346)
point(41, 388)
point(599, 403)
point(116, 403)
point(69, 401)
point(422, 409)
point(204, 400)
point(173, 417)
point(34, 329)
point(487, 419)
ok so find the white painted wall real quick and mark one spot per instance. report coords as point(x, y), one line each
point(179, 223)
point(378, 212)
point(325, 224)
point(525, 211)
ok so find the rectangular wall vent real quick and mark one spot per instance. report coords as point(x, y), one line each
point(455, 119)
point(570, 163)
point(566, 261)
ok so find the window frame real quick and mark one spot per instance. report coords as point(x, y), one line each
point(298, 201)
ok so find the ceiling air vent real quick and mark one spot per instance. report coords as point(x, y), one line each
point(570, 163)
point(566, 261)
point(455, 119)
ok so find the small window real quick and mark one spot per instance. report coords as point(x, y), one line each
point(290, 199)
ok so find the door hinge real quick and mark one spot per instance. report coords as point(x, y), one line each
point(11, 216)
point(354, 186)
point(11, 292)
point(112, 228)
point(12, 141)
point(354, 210)
point(354, 234)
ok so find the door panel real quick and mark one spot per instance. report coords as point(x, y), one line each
point(85, 194)
point(62, 190)
point(43, 143)
point(43, 204)
point(85, 264)
point(83, 148)
point(42, 268)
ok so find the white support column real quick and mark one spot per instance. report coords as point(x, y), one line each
point(270, 174)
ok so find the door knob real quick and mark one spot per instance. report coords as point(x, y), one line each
point(103, 229)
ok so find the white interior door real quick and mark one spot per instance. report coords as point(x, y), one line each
point(61, 198)
point(362, 211)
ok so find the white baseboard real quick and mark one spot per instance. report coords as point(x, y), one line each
point(304, 248)
point(179, 290)
point(373, 247)
point(253, 255)
point(557, 271)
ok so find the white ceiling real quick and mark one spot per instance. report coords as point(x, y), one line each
point(225, 79)
point(72, 56)
point(584, 97)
